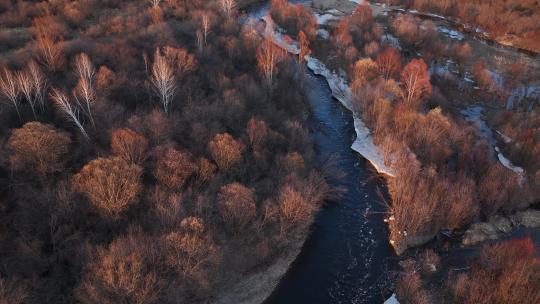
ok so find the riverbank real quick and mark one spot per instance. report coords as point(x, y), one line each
point(258, 286)
point(527, 46)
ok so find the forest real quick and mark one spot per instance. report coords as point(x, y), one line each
point(161, 151)
point(145, 157)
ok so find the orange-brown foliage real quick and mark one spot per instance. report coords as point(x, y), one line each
point(38, 147)
point(129, 145)
point(111, 184)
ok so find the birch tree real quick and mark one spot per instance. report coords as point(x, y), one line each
point(163, 79)
point(26, 87)
point(205, 22)
point(228, 7)
point(85, 95)
point(84, 67)
point(70, 110)
point(415, 81)
point(39, 83)
point(268, 55)
point(10, 89)
point(168, 67)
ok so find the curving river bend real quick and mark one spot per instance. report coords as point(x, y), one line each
point(347, 258)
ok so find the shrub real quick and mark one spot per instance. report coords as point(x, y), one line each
point(124, 272)
point(507, 272)
point(191, 252)
point(129, 145)
point(237, 205)
point(111, 184)
point(172, 167)
point(38, 147)
point(225, 150)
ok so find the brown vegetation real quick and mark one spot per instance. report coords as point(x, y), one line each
point(507, 272)
point(111, 184)
point(38, 148)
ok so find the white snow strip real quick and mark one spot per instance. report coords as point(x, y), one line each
point(340, 90)
point(473, 114)
point(507, 140)
point(451, 33)
point(507, 163)
point(324, 34)
point(392, 300)
point(325, 18)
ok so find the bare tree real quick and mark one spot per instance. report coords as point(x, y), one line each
point(85, 94)
point(111, 184)
point(163, 79)
point(225, 150)
point(50, 51)
point(228, 7)
point(205, 22)
point(10, 89)
point(154, 3)
point(200, 40)
point(26, 86)
point(84, 67)
point(172, 167)
point(191, 251)
point(129, 145)
point(39, 83)
point(389, 62)
point(268, 55)
point(167, 68)
point(415, 80)
point(237, 205)
point(71, 111)
point(39, 148)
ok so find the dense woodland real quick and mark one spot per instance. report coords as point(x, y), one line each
point(157, 151)
point(145, 156)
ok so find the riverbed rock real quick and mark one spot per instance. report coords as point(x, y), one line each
point(344, 6)
point(410, 241)
point(529, 218)
point(480, 232)
point(500, 223)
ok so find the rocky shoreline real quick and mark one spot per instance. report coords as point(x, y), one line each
point(498, 226)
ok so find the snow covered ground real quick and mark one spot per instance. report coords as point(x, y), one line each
point(392, 300)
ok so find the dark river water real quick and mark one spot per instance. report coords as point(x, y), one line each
point(345, 258)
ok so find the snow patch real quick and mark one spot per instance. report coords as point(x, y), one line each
point(392, 300)
point(324, 34)
point(325, 18)
point(451, 33)
point(473, 114)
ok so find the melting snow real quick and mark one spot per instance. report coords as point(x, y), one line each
point(324, 34)
point(392, 300)
point(451, 33)
point(473, 114)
